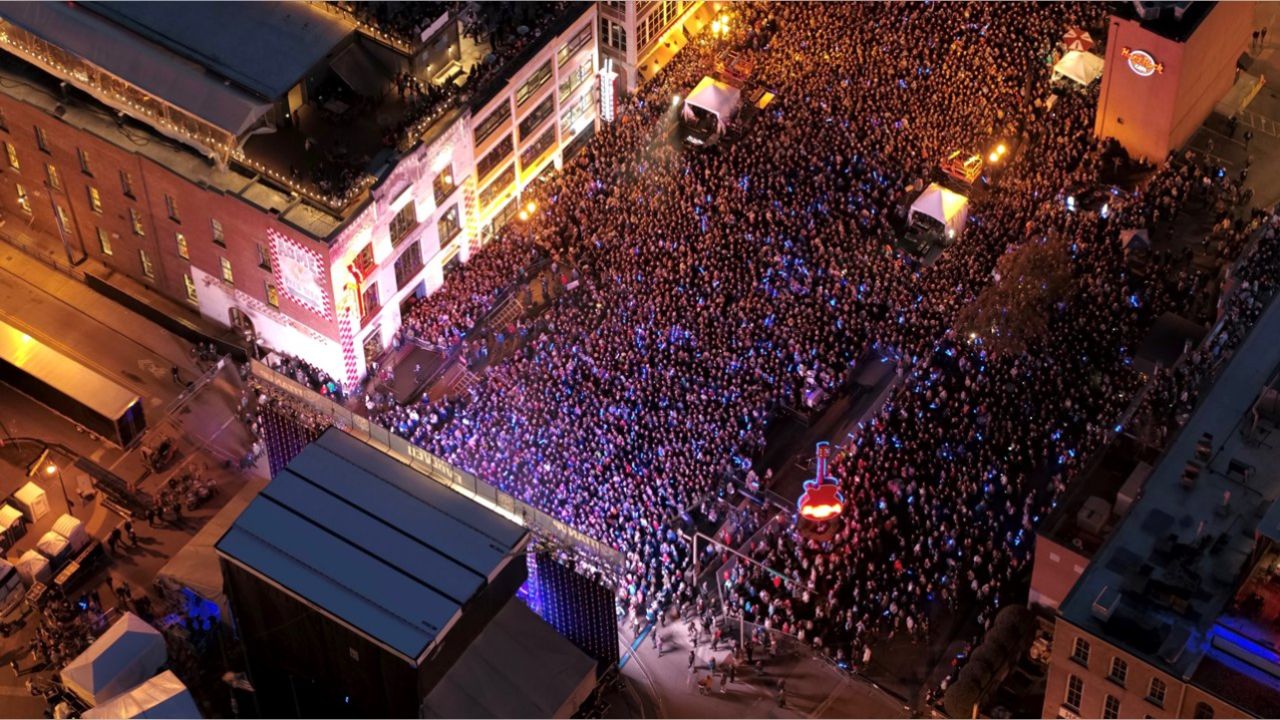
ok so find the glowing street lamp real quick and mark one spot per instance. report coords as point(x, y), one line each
point(50, 470)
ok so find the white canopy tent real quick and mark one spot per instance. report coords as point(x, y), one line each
point(163, 696)
point(715, 97)
point(53, 546)
point(1082, 67)
point(73, 530)
point(34, 568)
point(127, 654)
point(949, 208)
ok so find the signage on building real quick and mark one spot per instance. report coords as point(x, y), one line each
point(821, 499)
point(300, 273)
point(1141, 62)
point(607, 77)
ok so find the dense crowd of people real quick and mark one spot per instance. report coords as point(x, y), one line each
point(718, 287)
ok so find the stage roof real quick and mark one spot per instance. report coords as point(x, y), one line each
point(362, 537)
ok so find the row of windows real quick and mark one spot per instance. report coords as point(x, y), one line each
point(613, 34)
point(534, 152)
point(533, 84)
point(535, 117)
point(500, 152)
point(578, 42)
point(570, 116)
point(576, 77)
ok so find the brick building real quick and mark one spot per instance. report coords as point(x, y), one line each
point(280, 175)
point(1176, 613)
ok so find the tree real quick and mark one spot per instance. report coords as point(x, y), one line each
point(961, 697)
point(1014, 311)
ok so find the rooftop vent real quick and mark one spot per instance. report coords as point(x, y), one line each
point(1106, 604)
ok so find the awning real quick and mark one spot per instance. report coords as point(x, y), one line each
point(360, 70)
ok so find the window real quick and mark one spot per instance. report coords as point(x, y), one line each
point(191, 287)
point(171, 206)
point(403, 222)
point(535, 117)
point(1075, 691)
point(42, 140)
point(364, 259)
point(533, 153)
point(573, 46)
point(408, 265)
point(85, 167)
point(369, 300)
point(147, 269)
point(4, 124)
point(569, 118)
point(126, 183)
point(104, 241)
point(613, 34)
point(1203, 711)
point(1156, 692)
point(136, 219)
point(95, 200)
point(183, 251)
point(24, 201)
point(485, 127)
point(273, 296)
point(64, 220)
point(226, 270)
point(443, 185)
point(448, 225)
point(215, 228)
point(1080, 653)
point(55, 180)
point(497, 187)
point(12, 152)
point(492, 159)
point(1119, 671)
point(534, 83)
point(575, 78)
point(264, 258)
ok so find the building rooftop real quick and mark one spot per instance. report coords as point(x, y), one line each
point(1166, 584)
point(1176, 21)
point(265, 46)
point(364, 538)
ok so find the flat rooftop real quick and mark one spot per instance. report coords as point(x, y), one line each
point(1169, 574)
point(265, 46)
point(1169, 23)
point(368, 540)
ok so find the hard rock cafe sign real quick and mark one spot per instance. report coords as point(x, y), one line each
point(1141, 62)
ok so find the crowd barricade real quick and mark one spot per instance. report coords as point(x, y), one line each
point(591, 551)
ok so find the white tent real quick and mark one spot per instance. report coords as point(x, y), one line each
point(73, 530)
point(32, 501)
point(127, 654)
point(949, 208)
point(719, 99)
point(11, 588)
point(34, 568)
point(1082, 67)
point(53, 546)
point(163, 696)
point(11, 526)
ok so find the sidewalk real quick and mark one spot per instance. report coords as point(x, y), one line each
point(43, 266)
point(813, 688)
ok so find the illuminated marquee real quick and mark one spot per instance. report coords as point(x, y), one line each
point(300, 273)
point(1141, 62)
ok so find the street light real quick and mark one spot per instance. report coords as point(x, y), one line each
point(49, 470)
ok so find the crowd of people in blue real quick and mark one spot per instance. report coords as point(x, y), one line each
point(717, 287)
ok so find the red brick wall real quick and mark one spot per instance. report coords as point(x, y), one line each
point(243, 225)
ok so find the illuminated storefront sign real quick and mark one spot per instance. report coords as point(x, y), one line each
point(300, 273)
point(1141, 62)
